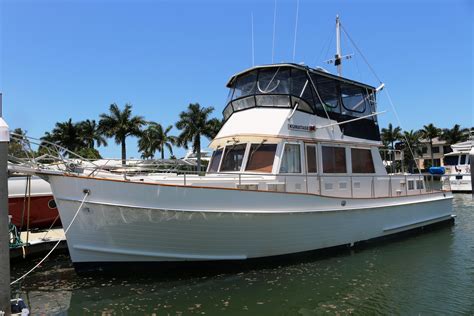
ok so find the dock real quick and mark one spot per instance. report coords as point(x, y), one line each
point(38, 243)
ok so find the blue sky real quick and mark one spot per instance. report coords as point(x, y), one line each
point(72, 59)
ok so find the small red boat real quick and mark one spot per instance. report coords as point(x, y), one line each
point(43, 212)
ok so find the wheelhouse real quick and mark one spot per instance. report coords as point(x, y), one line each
point(308, 90)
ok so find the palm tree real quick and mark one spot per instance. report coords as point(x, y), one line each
point(121, 124)
point(195, 123)
point(411, 147)
point(390, 135)
point(65, 134)
point(91, 134)
point(18, 145)
point(155, 138)
point(430, 132)
point(455, 134)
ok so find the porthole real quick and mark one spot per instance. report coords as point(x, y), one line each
point(52, 204)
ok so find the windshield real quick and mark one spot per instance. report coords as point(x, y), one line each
point(233, 157)
point(451, 160)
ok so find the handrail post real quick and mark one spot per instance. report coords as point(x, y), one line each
point(352, 192)
point(307, 190)
point(390, 185)
point(185, 178)
point(420, 182)
point(286, 188)
point(372, 189)
point(406, 185)
point(320, 187)
point(240, 179)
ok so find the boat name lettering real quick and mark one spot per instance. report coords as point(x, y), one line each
point(308, 128)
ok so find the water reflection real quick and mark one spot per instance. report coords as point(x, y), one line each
point(428, 273)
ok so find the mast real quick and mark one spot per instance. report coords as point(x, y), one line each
point(337, 60)
point(337, 57)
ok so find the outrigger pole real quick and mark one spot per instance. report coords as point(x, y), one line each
point(4, 222)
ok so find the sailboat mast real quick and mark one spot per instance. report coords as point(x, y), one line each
point(337, 60)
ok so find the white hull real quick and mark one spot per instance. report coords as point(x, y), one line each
point(460, 185)
point(138, 222)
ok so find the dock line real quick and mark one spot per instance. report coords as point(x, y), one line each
point(86, 194)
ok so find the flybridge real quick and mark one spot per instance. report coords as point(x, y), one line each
point(307, 90)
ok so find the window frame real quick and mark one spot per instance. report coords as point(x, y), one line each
point(282, 155)
point(316, 151)
point(244, 158)
point(351, 149)
point(247, 157)
point(220, 160)
point(345, 158)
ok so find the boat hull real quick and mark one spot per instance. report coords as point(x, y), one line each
point(42, 211)
point(138, 222)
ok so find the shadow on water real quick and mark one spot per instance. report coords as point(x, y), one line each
point(421, 273)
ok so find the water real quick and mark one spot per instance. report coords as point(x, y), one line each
point(426, 274)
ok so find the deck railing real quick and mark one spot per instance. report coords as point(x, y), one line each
point(337, 185)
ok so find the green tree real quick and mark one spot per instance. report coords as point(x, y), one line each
point(411, 140)
point(16, 147)
point(194, 123)
point(65, 134)
point(155, 138)
point(429, 132)
point(389, 136)
point(121, 124)
point(455, 134)
point(91, 134)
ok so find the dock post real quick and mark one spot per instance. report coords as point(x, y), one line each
point(5, 294)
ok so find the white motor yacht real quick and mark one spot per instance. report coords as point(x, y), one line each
point(458, 168)
point(296, 167)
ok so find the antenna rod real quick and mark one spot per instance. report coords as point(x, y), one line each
point(253, 47)
point(274, 22)
point(296, 28)
point(337, 60)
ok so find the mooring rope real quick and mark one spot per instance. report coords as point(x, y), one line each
point(86, 194)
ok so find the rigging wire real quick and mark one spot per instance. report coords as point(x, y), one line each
point(390, 101)
point(327, 43)
point(86, 194)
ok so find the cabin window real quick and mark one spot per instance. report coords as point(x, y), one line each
point(327, 90)
point(463, 160)
point(261, 157)
point(362, 161)
point(233, 157)
point(215, 160)
point(411, 185)
point(245, 85)
point(353, 98)
point(281, 101)
point(334, 159)
point(243, 103)
point(273, 81)
point(291, 162)
point(419, 184)
point(450, 160)
point(311, 161)
point(228, 111)
point(301, 88)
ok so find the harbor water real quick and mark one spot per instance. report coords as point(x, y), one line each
point(424, 274)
